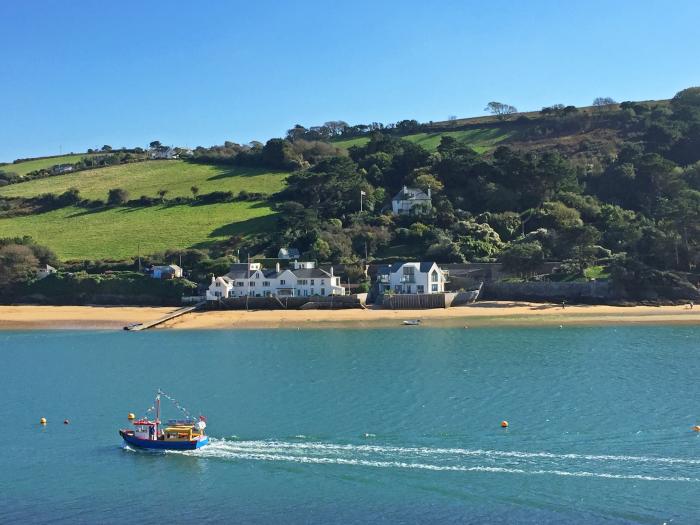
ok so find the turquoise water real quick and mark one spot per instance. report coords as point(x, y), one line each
point(357, 426)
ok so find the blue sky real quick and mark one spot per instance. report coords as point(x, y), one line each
point(82, 74)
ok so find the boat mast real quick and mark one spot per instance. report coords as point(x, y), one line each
point(157, 411)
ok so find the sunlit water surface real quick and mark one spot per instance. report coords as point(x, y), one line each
point(358, 426)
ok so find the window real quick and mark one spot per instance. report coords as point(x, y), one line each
point(323, 291)
point(282, 281)
point(323, 281)
point(239, 283)
point(408, 270)
point(312, 290)
point(420, 288)
point(252, 283)
point(312, 282)
point(266, 283)
point(434, 287)
point(434, 276)
point(303, 281)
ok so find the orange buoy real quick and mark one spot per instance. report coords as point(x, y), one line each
point(696, 428)
point(42, 421)
point(131, 416)
point(504, 424)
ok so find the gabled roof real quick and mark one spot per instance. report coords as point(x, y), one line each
point(240, 271)
point(310, 273)
point(423, 267)
point(411, 194)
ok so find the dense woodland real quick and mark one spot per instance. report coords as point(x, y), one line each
point(628, 205)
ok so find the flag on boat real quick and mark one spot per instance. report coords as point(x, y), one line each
point(363, 193)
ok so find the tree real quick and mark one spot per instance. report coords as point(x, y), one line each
point(523, 258)
point(162, 193)
point(106, 147)
point(155, 144)
point(686, 102)
point(195, 191)
point(117, 197)
point(500, 110)
point(17, 264)
point(320, 250)
point(602, 103)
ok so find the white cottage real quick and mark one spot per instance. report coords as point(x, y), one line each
point(250, 279)
point(411, 278)
point(411, 201)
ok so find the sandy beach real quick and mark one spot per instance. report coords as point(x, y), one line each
point(501, 313)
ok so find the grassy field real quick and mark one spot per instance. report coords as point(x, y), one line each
point(480, 139)
point(22, 168)
point(76, 233)
point(146, 178)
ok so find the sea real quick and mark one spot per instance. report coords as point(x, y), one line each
point(392, 425)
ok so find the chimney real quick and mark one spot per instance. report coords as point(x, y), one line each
point(277, 267)
point(331, 271)
point(212, 278)
point(428, 191)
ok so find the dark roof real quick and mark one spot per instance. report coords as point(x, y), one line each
point(385, 269)
point(240, 271)
point(410, 194)
point(310, 273)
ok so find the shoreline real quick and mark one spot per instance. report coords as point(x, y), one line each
point(483, 314)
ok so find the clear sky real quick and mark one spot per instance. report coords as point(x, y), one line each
point(78, 74)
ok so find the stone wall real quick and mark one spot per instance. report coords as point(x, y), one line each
point(573, 292)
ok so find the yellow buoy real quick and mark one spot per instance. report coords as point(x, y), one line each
point(131, 416)
point(42, 421)
point(504, 424)
point(696, 428)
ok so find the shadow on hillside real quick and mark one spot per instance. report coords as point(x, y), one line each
point(237, 171)
point(89, 211)
point(256, 225)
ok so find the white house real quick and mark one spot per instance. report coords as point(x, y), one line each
point(411, 201)
point(288, 253)
point(411, 277)
point(45, 271)
point(171, 271)
point(250, 279)
point(162, 153)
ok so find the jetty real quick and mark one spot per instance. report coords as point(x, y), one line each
point(137, 327)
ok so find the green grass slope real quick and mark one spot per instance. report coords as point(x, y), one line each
point(146, 178)
point(76, 233)
point(22, 168)
point(480, 139)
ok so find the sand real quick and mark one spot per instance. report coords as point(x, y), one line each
point(501, 313)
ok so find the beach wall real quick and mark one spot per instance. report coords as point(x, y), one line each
point(289, 303)
point(573, 292)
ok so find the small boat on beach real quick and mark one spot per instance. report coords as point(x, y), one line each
point(411, 322)
point(177, 434)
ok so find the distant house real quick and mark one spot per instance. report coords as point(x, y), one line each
point(62, 168)
point(45, 271)
point(171, 271)
point(252, 280)
point(162, 153)
point(411, 278)
point(411, 201)
point(288, 253)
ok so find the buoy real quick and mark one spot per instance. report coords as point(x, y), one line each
point(42, 421)
point(504, 424)
point(131, 416)
point(696, 428)
point(65, 421)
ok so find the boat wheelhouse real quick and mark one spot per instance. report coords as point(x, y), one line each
point(176, 434)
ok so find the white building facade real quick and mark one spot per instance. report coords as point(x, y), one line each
point(411, 201)
point(412, 278)
point(250, 279)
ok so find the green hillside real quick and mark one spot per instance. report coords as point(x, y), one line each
point(480, 139)
point(76, 233)
point(22, 168)
point(146, 178)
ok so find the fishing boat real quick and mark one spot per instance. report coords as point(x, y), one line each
point(176, 434)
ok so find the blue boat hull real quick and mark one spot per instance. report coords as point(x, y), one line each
point(163, 445)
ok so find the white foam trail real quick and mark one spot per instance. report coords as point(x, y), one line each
point(423, 466)
point(427, 451)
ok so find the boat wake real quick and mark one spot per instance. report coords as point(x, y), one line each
point(643, 468)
